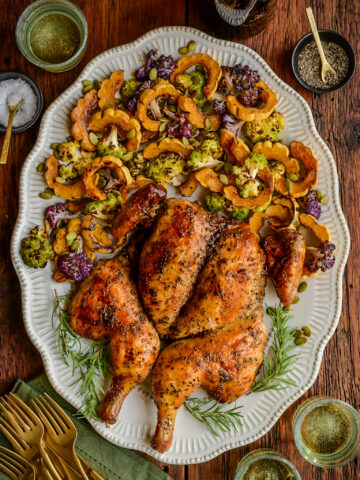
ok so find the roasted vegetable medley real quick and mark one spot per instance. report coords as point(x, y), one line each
point(187, 123)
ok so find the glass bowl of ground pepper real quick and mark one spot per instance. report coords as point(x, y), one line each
point(52, 34)
point(306, 63)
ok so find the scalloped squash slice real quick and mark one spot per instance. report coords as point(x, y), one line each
point(80, 115)
point(109, 88)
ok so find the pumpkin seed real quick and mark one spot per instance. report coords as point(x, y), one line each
point(131, 133)
point(101, 182)
point(75, 245)
point(199, 68)
point(117, 101)
point(93, 155)
point(164, 120)
point(172, 108)
point(49, 190)
point(324, 200)
point(59, 224)
point(319, 195)
point(183, 50)
point(300, 341)
point(70, 237)
point(296, 300)
point(172, 101)
point(224, 179)
point(40, 167)
point(99, 134)
point(162, 127)
point(69, 138)
point(218, 168)
point(302, 287)
point(307, 331)
point(87, 89)
point(293, 177)
point(207, 124)
point(207, 107)
point(45, 195)
point(153, 74)
point(101, 172)
point(96, 84)
point(185, 141)
point(288, 184)
point(161, 137)
point(93, 138)
point(297, 334)
point(228, 167)
point(128, 156)
point(106, 107)
point(191, 46)
point(86, 83)
point(60, 179)
point(54, 146)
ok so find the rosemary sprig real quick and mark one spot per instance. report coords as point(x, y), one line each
point(281, 359)
point(215, 417)
point(91, 361)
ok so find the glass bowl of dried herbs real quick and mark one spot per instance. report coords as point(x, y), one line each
point(306, 62)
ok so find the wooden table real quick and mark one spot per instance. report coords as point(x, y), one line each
point(337, 116)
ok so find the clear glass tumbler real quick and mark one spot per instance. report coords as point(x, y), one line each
point(266, 464)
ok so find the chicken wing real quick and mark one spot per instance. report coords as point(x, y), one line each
point(285, 256)
point(224, 362)
point(172, 258)
point(227, 283)
point(107, 306)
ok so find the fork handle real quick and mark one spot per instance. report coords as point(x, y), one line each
point(90, 471)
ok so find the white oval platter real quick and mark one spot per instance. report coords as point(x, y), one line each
point(319, 307)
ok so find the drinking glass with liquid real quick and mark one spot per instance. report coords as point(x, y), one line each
point(266, 464)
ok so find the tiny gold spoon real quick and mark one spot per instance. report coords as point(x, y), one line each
point(5, 149)
point(325, 66)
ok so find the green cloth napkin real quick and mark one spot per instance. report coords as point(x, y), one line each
point(111, 461)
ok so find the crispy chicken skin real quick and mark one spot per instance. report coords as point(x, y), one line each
point(224, 362)
point(285, 256)
point(225, 284)
point(107, 306)
point(172, 258)
point(139, 209)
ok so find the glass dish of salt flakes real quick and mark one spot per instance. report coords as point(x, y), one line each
point(13, 87)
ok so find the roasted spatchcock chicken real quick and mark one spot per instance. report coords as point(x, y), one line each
point(193, 277)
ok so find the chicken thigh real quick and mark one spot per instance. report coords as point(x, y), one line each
point(107, 306)
point(226, 283)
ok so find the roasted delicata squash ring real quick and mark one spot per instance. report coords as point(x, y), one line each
point(212, 68)
point(100, 120)
point(96, 239)
point(84, 108)
point(264, 197)
point(320, 231)
point(250, 114)
point(109, 88)
point(188, 188)
point(292, 205)
point(305, 155)
point(209, 179)
point(154, 149)
point(277, 216)
point(69, 192)
point(60, 244)
point(147, 96)
point(195, 116)
point(147, 135)
point(105, 162)
point(235, 149)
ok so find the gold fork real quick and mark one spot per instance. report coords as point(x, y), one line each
point(15, 466)
point(29, 427)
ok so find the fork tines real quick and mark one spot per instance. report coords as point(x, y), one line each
point(15, 466)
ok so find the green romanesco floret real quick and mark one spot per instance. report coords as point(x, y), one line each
point(255, 162)
point(35, 250)
point(214, 202)
point(106, 208)
point(73, 170)
point(239, 213)
point(110, 145)
point(135, 163)
point(68, 152)
point(268, 129)
point(128, 89)
point(249, 189)
point(276, 169)
point(193, 84)
point(207, 154)
point(165, 167)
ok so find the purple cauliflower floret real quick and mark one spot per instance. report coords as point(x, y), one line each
point(132, 102)
point(321, 258)
point(164, 66)
point(241, 81)
point(219, 106)
point(180, 128)
point(233, 124)
point(59, 211)
point(310, 205)
point(75, 266)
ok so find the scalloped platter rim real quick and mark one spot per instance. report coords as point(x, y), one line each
point(319, 308)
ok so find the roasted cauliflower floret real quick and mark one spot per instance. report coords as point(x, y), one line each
point(276, 169)
point(106, 208)
point(110, 145)
point(268, 129)
point(35, 250)
point(73, 170)
point(249, 189)
point(207, 154)
point(165, 167)
point(128, 89)
point(68, 152)
point(255, 162)
point(193, 84)
point(239, 213)
point(214, 202)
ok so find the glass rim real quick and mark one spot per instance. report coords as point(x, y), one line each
point(35, 60)
point(264, 453)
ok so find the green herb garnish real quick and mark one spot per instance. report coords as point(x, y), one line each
point(91, 360)
point(281, 359)
point(214, 415)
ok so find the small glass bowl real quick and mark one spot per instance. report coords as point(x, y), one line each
point(346, 452)
point(30, 16)
point(264, 454)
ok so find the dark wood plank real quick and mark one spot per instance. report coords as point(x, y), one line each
point(337, 119)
